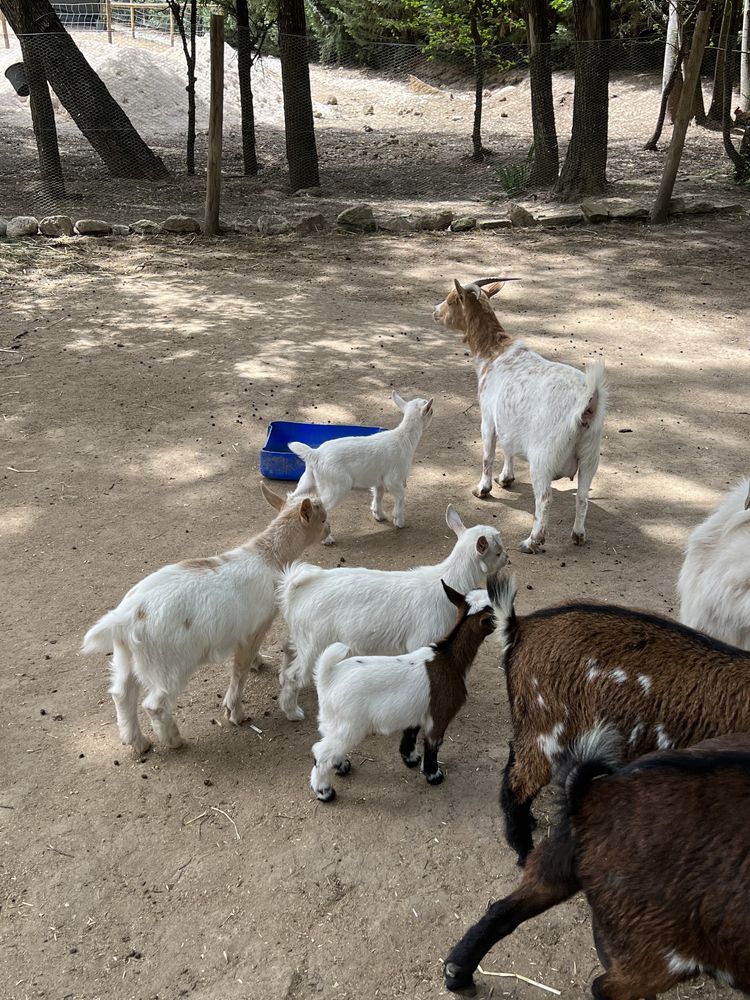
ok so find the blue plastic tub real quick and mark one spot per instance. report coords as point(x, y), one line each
point(277, 462)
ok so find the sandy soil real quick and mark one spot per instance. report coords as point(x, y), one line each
point(136, 381)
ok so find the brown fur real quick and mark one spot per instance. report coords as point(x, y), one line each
point(291, 531)
point(476, 319)
point(209, 564)
point(141, 614)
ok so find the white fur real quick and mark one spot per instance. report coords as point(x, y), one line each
point(377, 611)
point(201, 611)
point(534, 409)
point(714, 582)
point(378, 462)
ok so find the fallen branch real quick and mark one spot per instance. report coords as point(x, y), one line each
point(58, 851)
point(523, 979)
point(223, 813)
point(11, 469)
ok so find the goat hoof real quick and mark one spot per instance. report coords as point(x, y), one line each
point(295, 714)
point(436, 778)
point(481, 494)
point(141, 746)
point(579, 538)
point(414, 760)
point(459, 981)
point(327, 794)
point(235, 715)
point(343, 767)
point(505, 483)
point(399, 523)
point(531, 548)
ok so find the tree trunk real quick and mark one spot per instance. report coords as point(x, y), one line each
point(83, 95)
point(244, 77)
point(299, 128)
point(476, 134)
point(187, 37)
point(717, 98)
point(665, 98)
point(745, 60)
point(699, 108)
point(585, 169)
point(42, 116)
point(546, 162)
point(671, 50)
point(684, 113)
point(741, 165)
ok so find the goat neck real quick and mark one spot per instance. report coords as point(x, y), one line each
point(283, 540)
point(483, 331)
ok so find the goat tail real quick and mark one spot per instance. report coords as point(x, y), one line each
point(328, 660)
point(595, 402)
point(100, 637)
point(593, 754)
point(303, 451)
point(502, 591)
point(293, 576)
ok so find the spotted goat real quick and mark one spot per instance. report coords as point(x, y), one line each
point(422, 690)
point(677, 907)
point(195, 612)
point(574, 667)
point(548, 413)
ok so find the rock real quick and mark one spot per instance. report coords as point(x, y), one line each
point(626, 210)
point(120, 230)
point(595, 210)
point(311, 192)
point(728, 208)
point(56, 225)
point(21, 225)
point(502, 222)
point(93, 227)
point(520, 216)
point(273, 225)
point(369, 110)
point(699, 207)
point(358, 218)
point(317, 114)
point(433, 220)
point(397, 224)
point(464, 224)
point(332, 99)
point(146, 227)
point(181, 224)
point(563, 216)
point(3, 226)
point(676, 206)
point(312, 224)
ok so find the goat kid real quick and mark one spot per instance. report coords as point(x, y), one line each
point(567, 668)
point(195, 612)
point(678, 905)
point(714, 582)
point(417, 691)
point(383, 612)
point(546, 412)
point(378, 462)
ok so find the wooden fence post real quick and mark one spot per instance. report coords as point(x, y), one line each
point(132, 20)
point(215, 127)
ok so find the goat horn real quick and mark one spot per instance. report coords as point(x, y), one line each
point(488, 281)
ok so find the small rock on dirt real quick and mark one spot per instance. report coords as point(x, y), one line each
point(273, 225)
point(464, 224)
point(358, 218)
point(120, 230)
point(433, 220)
point(312, 224)
point(93, 227)
point(146, 227)
point(561, 217)
point(732, 208)
point(500, 223)
point(369, 110)
point(311, 192)
point(520, 216)
point(21, 225)
point(626, 210)
point(56, 225)
point(3, 226)
point(676, 206)
point(181, 224)
point(595, 210)
point(332, 99)
point(397, 224)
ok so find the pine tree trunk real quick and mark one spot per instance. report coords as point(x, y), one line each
point(584, 171)
point(476, 134)
point(741, 165)
point(83, 95)
point(546, 162)
point(745, 60)
point(665, 97)
point(42, 116)
point(244, 77)
point(299, 128)
point(717, 98)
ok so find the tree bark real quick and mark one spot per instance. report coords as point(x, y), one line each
point(745, 60)
point(187, 37)
point(671, 50)
point(546, 163)
point(42, 116)
point(299, 128)
point(83, 95)
point(476, 134)
point(684, 113)
point(741, 164)
point(717, 98)
point(666, 94)
point(244, 77)
point(699, 108)
point(584, 171)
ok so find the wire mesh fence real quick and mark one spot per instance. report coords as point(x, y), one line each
point(392, 123)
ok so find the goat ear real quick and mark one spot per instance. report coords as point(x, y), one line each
point(400, 403)
point(482, 545)
point(459, 288)
point(274, 499)
point(453, 595)
point(454, 522)
point(427, 408)
point(305, 510)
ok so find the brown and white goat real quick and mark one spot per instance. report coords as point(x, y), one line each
point(661, 850)
point(548, 413)
point(574, 667)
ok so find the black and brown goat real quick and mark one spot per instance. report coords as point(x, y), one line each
point(572, 668)
point(661, 850)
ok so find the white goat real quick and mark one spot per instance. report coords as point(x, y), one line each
point(195, 612)
point(714, 582)
point(388, 694)
point(548, 413)
point(377, 462)
point(377, 611)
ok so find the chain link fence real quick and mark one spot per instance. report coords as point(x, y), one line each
point(393, 124)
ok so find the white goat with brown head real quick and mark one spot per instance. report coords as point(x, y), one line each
point(546, 412)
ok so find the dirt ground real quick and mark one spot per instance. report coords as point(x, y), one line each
point(136, 381)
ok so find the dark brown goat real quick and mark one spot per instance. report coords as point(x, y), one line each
point(661, 850)
point(576, 667)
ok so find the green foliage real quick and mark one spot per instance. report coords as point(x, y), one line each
point(515, 177)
